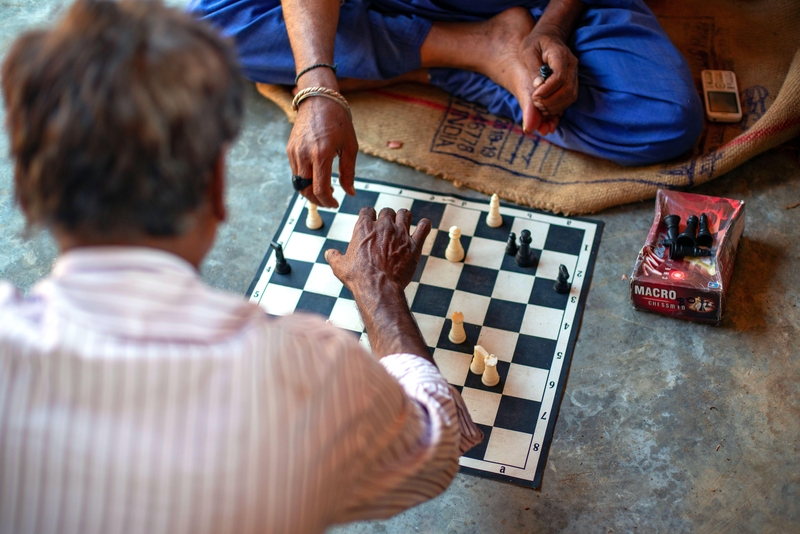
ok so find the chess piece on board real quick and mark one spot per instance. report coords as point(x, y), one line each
point(511, 246)
point(493, 218)
point(490, 375)
point(454, 251)
point(479, 356)
point(562, 280)
point(313, 220)
point(281, 265)
point(457, 334)
point(525, 257)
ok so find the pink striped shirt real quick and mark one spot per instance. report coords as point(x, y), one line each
point(134, 398)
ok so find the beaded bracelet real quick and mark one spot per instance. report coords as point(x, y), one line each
point(314, 66)
point(324, 92)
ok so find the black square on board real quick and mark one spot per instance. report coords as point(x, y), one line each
point(543, 294)
point(354, 204)
point(517, 414)
point(504, 315)
point(346, 294)
point(316, 303)
point(476, 279)
point(432, 300)
point(498, 234)
point(479, 451)
point(564, 239)
point(327, 220)
point(432, 211)
point(341, 246)
point(474, 381)
point(443, 239)
point(296, 278)
point(420, 268)
point(534, 351)
point(473, 331)
point(510, 263)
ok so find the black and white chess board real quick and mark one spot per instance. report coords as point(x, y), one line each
point(513, 312)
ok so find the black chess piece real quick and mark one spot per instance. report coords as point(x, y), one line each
point(511, 246)
point(545, 71)
point(525, 257)
point(673, 228)
point(562, 280)
point(281, 265)
point(704, 236)
point(677, 252)
point(687, 238)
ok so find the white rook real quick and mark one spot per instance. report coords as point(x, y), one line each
point(479, 356)
point(490, 377)
point(454, 252)
point(457, 334)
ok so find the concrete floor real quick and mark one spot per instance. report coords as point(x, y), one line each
point(666, 426)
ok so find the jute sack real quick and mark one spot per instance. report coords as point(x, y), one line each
point(459, 141)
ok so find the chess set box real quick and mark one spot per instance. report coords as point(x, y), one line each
point(685, 266)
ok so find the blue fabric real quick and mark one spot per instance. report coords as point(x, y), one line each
point(637, 103)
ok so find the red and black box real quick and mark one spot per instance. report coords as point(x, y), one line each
point(691, 288)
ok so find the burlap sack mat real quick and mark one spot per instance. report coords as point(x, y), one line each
point(457, 140)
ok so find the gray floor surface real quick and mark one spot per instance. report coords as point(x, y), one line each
point(666, 426)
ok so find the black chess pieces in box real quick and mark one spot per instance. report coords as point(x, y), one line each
point(685, 271)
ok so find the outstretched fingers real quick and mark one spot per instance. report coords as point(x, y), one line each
point(421, 233)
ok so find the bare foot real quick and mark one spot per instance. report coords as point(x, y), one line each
point(347, 85)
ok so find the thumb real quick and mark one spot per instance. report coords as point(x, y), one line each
point(333, 256)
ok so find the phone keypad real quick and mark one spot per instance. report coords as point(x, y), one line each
point(719, 79)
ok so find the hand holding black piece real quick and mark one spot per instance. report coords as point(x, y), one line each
point(545, 71)
point(511, 246)
point(525, 257)
point(281, 265)
point(562, 280)
point(688, 236)
point(704, 236)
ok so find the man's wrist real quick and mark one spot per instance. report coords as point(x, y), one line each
point(321, 77)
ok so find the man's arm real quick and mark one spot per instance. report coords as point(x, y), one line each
point(547, 44)
point(323, 129)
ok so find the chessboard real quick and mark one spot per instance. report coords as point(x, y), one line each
point(511, 311)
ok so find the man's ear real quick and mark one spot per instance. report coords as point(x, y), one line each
point(216, 189)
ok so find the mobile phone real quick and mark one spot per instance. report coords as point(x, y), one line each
point(721, 96)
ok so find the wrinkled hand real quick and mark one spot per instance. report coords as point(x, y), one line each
point(322, 131)
point(381, 254)
point(545, 44)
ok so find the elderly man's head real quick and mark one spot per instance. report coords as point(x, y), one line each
point(118, 117)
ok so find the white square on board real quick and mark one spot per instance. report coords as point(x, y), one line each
point(541, 322)
point(342, 227)
point(441, 273)
point(303, 247)
point(322, 280)
point(454, 366)
point(508, 447)
point(473, 306)
point(538, 231)
point(364, 341)
point(280, 300)
point(525, 382)
point(345, 315)
point(385, 200)
point(549, 262)
point(430, 326)
point(465, 219)
point(487, 253)
point(501, 343)
point(482, 405)
point(514, 287)
point(411, 292)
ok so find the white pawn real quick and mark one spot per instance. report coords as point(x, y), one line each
point(490, 377)
point(457, 334)
point(479, 357)
point(494, 219)
point(454, 251)
point(313, 220)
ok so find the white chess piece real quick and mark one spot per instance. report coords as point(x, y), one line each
point(490, 377)
point(457, 334)
point(478, 360)
point(494, 219)
point(313, 220)
point(454, 251)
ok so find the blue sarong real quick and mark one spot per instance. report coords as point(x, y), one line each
point(637, 103)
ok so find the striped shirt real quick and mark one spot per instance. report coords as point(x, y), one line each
point(134, 398)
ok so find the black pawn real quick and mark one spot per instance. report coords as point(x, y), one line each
point(562, 280)
point(281, 265)
point(688, 236)
point(511, 246)
point(704, 237)
point(545, 71)
point(525, 257)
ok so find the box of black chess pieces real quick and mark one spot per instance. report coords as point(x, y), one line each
point(685, 266)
